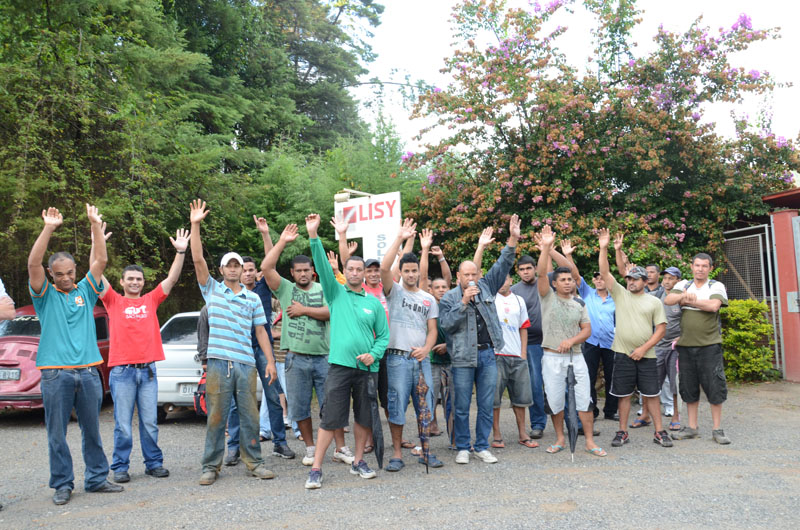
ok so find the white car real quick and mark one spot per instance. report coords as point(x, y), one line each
point(179, 374)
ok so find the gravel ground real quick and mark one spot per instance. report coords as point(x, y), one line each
point(752, 483)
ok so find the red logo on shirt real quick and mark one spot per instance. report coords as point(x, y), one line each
point(426, 303)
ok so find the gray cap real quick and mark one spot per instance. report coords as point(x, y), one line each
point(675, 271)
point(637, 272)
point(370, 262)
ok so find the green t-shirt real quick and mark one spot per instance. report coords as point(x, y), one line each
point(701, 328)
point(303, 334)
point(440, 339)
point(637, 315)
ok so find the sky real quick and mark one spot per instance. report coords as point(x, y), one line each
point(415, 35)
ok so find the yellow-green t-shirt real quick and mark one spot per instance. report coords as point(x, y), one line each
point(636, 317)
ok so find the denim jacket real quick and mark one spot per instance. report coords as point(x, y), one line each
point(459, 322)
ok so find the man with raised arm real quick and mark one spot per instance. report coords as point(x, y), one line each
point(359, 336)
point(233, 314)
point(68, 356)
point(469, 318)
point(135, 347)
point(566, 325)
point(412, 324)
point(700, 346)
point(7, 309)
point(640, 324)
point(428, 248)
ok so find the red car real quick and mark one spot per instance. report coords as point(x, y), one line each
point(19, 342)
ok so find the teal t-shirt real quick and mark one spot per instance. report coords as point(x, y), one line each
point(68, 338)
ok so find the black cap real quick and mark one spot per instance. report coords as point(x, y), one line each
point(370, 262)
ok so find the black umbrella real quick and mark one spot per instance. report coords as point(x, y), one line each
point(377, 428)
point(447, 405)
point(423, 417)
point(572, 409)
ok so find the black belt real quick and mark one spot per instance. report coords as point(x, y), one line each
point(485, 346)
point(401, 353)
point(139, 365)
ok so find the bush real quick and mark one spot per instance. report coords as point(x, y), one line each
point(747, 341)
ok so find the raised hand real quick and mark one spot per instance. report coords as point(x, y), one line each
point(437, 252)
point(566, 247)
point(514, 226)
point(261, 224)
point(604, 238)
point(426, 239)
point(106, 235)
point(408, 229)
point(52, 217)
point(93, 215)
point(486, 238)
point(548, 236)
point(340, 224)
point(352, 246)
point(181, 241)
point(618, 237)
point(289, 233)
point(197, 211)
point(333, 259)
point(537, 240)
point(312, 224)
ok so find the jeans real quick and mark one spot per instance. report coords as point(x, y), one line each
point(536, 411)
point(63, 389)
point(274, 418)
point(135, 386)
point(403, 372)
point(593, 355)
point(281, 367)
point(226, 380)
point(484, 377)
point(304, 374)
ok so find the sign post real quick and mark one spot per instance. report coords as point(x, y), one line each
point(375, 219)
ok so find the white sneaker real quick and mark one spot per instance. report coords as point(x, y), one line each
point(486, 456)
point(462, 457)
point(669, 412)
point(309, 458)
point(344, 455)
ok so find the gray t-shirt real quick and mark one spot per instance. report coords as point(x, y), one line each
point(530, 293)
point(673, 323)
point(562, 319)
point(409, 313)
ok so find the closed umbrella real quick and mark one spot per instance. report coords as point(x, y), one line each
point(572, 409)
point(423, 417)
point(447, 405)
point(377, 428)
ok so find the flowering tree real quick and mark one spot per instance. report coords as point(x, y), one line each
point(623, 146)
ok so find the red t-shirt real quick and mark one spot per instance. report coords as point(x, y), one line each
point(377, 292)
point(135, 334)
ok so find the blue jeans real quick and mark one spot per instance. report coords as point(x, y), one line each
point(275, 419)
point(226, 380)
point(403, 375)
point(484, 377)
point(282, 378)
point(304, 374)
point(63, 389)
point(135, 386)
point(536, 411)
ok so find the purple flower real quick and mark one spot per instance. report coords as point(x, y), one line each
point(696, 116)
point(407, 156)
point(781, 141)
point(631, 62)
point(553, 5)
point(436, 90)
point(744, 21)
point(432, 179)
point(755, 74)
point(468, 110)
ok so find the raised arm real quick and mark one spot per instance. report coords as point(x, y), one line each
point(602, 260)
point(425, 241)
point(623, 264)
point(263, 229)
point(197, 213)
point(270, 261)
point(340, 224)
point(52, 220)
point(103, 279)
point(496, 275)
point(407, 247)
point(181, 243)
point(566, 260)
point(98, 265)
point(484, 240)
point(547, 240)
point(330, 287)
point(447, 276)
point(406, 231)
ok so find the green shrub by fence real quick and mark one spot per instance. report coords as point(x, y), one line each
point(747, 341)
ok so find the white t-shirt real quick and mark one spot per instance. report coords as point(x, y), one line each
point(409, 313)
point(513, 315)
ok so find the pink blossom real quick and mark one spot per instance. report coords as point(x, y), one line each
point(407, 156)
point(538, 198)
point(437, 89)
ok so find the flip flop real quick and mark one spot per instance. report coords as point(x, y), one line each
point(405, 444)
point(368, 449)
point(638, 422)
point(498, 444)
point(436, 433)
point(417, 451)
point(674, 425)
point(554, 448)
point(597, 451)
point(529, 443)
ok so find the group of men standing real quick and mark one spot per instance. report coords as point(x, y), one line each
point(372, 333)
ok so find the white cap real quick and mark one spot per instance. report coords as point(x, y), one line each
point(228, 257)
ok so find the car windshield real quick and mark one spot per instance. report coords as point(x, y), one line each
point(24, 325)
point(181, 330)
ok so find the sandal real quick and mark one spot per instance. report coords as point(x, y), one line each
point(498, 444)
point(405, 444)
point(554, 448)
point(638, 422)
point(417, 451)
point(368, 449)
point(597, 451)
point(674, 425)
point(529, 443)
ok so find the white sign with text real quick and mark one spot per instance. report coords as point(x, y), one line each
point(374, 219)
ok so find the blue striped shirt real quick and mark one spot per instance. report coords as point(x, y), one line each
point(231, 317)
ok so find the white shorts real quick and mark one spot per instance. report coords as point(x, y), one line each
point(554, 373)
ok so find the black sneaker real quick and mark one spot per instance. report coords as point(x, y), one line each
point(62, 496)
point(283, 451)
point(120, 477)
point(232, 458)
point(662, 438)
point(620, 439)
point(158, 472)
point(107, 487)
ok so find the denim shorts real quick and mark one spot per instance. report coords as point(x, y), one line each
point(403, 372)
point(304, 375)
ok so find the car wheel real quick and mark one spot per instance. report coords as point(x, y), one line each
point(161, 415)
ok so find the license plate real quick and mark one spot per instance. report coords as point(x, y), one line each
point(187, 390)
point(9, 374)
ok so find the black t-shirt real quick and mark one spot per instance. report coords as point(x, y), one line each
point(483, 329)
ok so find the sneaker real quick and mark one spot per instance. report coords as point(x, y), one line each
point(107, 487)
point(62, 496)
point(719, 437)
point(536, 434)
point(208, 478)
point(669, 412)
point(286, 422)
point(261, 472)
point(232, 458)
point(158, 472)
point(486, 456)
point(265, 436)
point(462, 457)
point(283, 451)
point(362, 469)
point(344, 455)
point(121, 477)
point(620, 439)
point(309, 458)
point(686, 433)
point(662, 438)
point(314, 480)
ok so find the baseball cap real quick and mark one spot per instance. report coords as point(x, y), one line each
point(675, 271)
point(637, 272)
point(228, 257)
point(370, 262)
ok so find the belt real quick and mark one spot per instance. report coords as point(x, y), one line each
point(401, 353)
point(139, 365)
point(485, 346)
